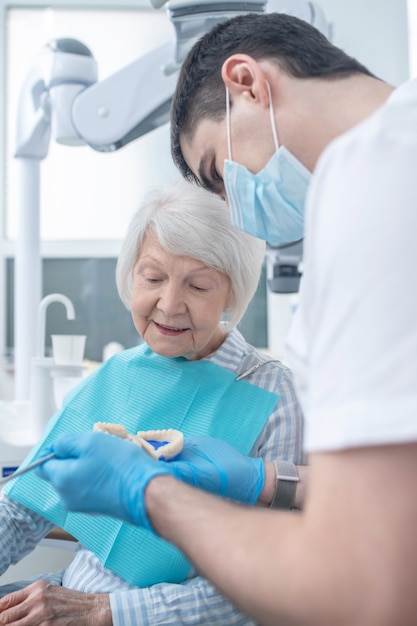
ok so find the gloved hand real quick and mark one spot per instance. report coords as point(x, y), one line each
point(215, 466)
point(99, 473)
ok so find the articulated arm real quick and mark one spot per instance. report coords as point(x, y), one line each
point(128, 104)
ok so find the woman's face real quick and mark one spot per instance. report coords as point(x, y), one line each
point(177, 302)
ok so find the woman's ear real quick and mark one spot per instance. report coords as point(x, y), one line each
point(243, 76)
point(231, 301)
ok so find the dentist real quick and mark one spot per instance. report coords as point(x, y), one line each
point(300, 138)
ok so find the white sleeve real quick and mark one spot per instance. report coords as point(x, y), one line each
point(354, 338)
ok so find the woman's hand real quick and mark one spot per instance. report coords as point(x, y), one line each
point(42, 604)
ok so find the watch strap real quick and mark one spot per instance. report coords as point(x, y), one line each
point(285, 486)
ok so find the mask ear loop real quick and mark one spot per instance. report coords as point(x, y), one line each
point(271, 116)
point(229, 143)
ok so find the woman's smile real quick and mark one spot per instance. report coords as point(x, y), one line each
point(178, 302)
point(170, 331)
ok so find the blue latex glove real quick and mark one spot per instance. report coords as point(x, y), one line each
point(98, 473)
point(215, 466)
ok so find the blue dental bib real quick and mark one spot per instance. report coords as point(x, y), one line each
point(144, 391)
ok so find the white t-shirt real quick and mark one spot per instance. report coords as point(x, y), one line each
point(353, 342)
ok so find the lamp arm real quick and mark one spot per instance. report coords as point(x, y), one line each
point(129, 103)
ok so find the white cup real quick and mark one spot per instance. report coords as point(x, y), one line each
point(68, 349)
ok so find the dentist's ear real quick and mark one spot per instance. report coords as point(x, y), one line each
point(243, 76)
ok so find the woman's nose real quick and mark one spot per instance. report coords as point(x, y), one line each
point(171, 299)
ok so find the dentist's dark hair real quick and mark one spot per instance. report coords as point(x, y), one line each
point(296, 46)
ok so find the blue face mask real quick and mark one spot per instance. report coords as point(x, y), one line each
point(270, 204)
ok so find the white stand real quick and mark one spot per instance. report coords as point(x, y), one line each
point(27, 275)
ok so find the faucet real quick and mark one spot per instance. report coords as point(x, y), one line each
point(45, 374)
point(53, 297)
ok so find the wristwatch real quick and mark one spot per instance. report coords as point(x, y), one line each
point(285, 486)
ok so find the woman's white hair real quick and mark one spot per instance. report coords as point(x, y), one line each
point(190, 221)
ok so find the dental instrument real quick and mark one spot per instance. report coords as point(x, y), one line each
point(29, 467)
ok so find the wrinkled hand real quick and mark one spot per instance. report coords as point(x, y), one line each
point(42, 604)
point(99, 473)
point(217, 467)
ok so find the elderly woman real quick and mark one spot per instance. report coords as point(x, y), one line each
point(187, 276)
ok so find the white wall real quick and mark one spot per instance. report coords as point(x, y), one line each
point(373, 31)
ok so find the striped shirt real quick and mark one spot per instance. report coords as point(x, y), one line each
point(194, 601)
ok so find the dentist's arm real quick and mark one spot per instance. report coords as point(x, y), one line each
point(350, 558)
point(351, 554)
point(97, 473)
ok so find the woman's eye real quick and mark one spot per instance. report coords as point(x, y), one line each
point(198, 288)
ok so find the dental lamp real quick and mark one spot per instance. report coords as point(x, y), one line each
point(61, 99)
